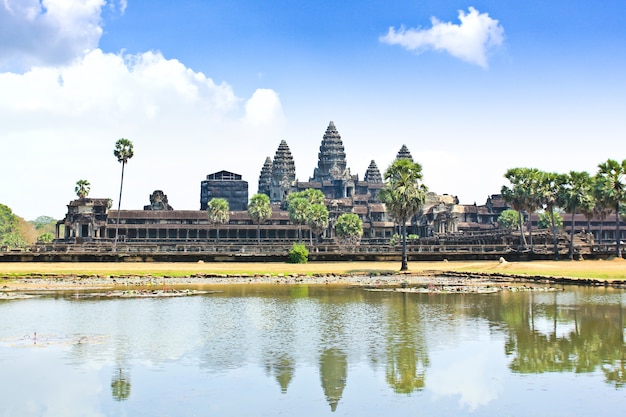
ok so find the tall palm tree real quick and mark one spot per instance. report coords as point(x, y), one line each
point(523, 194)
point(403, 195)
point(123, 152)
point(82, 188)
point(576, 194)
point(316, 219)
point(259, 210)
point(611, 186)
point(218, 213)
point(549, 191)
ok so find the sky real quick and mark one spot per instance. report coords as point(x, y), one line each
point(473, 88)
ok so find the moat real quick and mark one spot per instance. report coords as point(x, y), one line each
point(305, 350)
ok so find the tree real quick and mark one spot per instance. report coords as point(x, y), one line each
point(522, 194)
point(509, 218)
point(218, 212)
point(298, 205)
point(317, 219)
point(82, 188)
point(576, 192)
point(123, 152)
point(611, 189)
point(403, 195)
point(45, 238)
point(550, 185)
point(349, 229)
point(552, 220)
point(10, 231)
point(259, 210)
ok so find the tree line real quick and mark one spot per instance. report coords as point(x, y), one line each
point(576, 192)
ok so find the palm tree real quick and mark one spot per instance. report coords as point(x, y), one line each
point(259, 210)
point(550, 186)
point(576, 194)
point(218, 212)
point(523, 194)
point(403, 195)
point(82, 188)
point(316, 219)
point(611, 187)
point(123, 152)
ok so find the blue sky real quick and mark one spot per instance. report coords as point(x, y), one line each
point(471, 87)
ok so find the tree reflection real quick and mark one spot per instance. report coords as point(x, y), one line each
point(592, 339)
point(120, 385)
point(407, 355)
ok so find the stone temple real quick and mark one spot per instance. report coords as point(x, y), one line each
point(92, 220)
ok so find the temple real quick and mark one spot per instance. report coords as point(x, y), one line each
point(92, 220)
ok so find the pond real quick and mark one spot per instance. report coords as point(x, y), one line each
point(313, 351)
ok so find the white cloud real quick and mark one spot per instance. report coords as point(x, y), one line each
point(264, 108)
point(470, 41)
point(47, 31)
point(61, 124)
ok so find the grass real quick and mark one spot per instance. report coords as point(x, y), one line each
point(601, 269)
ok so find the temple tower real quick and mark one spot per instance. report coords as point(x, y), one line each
point(265, 179)
point(331, 158)
point(404, 153)
point(283, 173)
point(373, 174)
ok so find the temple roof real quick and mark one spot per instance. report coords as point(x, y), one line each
point(404, 153)
point(283, 167)
point(373, 174)
point(265, 179)
point(332, 156)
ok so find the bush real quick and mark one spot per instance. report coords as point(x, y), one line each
point(298, 254)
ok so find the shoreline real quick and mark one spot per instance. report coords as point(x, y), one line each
point(73, 282)
point(21, 277)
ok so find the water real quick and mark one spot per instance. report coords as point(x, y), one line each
point(314, 351)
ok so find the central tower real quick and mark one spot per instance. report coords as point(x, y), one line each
point(331, 163)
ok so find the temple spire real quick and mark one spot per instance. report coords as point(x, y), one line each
point(283, 173)
point(404, 153)
point(332, 157)
point(265, 179)
point(373, 173)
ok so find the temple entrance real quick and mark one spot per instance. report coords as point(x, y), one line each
point(84, 230)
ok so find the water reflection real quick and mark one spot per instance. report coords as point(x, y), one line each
point(278, 348)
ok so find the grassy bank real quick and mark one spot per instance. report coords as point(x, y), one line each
point(602, 269)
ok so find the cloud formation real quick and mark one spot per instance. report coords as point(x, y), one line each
point(70, 101)
point(49, 32)
point(470, 41)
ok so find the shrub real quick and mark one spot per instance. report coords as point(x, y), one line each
point(298, 254)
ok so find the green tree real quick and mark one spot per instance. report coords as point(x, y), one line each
point(218, 213)
point(576, 192)
point(259, 210)
point(403, 195)
point(611, 189)
point(10, 233)
point(349, 229)
point(298, 205)
point(45, 238)
point(522, 194)
point(123, 152)
point(552, 220)
point(317, 219)
point(508, 219)
point(550, 185)
point(8, 220)
point(82, 188)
